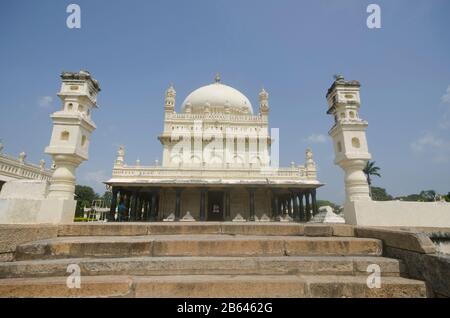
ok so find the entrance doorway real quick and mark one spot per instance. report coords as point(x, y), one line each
point(215, 206)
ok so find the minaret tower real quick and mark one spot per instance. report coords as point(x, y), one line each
point(263, 102)
point(72, 128)
point(169, 101)
point(349, 136)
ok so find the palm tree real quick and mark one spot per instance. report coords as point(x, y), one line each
point(371, 170)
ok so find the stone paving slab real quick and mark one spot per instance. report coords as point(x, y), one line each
point(194, 265)
point(219, 286)
point(196, 245)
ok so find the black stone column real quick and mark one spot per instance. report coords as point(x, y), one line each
point(127, 205)
point(276, 204)
point(227, 205)
point(308, 206)
point(153, 211)
point(296, 207)
point(112, 210)
point(314, 201)
point(178, 192)
point(301, 208)
point(203, 204)
point(134, 206)
point(251, 201)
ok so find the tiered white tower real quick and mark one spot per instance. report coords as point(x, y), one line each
point(72, 128)
point(35, 201)
point(349, 136)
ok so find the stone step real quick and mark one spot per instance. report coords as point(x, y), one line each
point(196, 245)
point(148, 266)
point(177, 228)
point(220, 286)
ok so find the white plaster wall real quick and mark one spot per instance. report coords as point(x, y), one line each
point(397, 213)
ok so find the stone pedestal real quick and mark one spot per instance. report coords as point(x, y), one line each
point(26, 202)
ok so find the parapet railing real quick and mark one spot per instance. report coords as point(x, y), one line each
point(18, 169)
point(222, 172)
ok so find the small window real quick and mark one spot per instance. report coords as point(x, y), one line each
point(352, 115)
point(83, 141)
point(70, 106)
point(355, 142)
point(339, 146)
point(65, 135)
point(80, 108)
point(342, 115)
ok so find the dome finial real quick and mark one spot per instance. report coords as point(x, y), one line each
point(217, 79)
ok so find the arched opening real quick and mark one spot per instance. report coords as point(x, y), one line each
point(83, 141)
point(352, 114)
point(65, 135)
point(355, 142)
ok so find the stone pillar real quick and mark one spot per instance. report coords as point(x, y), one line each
point(276, 203)
point(178, 192)
point(301, 207)
point(112, 210)
point(251, 200)
point(127, 206)
point(153, 210)
point(227, 205)
point(314, 202)
point(296, 207)
point(134, 205)
point(308, 206)
point(62, 184)
point(203, 192)
point(290, 206)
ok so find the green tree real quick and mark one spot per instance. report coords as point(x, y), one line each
point(84, 196)
point(371, 170)
point(428, 195)
point(380, 194)
point(107, 196)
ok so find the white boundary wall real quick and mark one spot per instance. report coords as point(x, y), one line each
point(397, 213)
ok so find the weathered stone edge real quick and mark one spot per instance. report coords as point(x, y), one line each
point(401, 239)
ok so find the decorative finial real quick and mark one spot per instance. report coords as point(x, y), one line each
point(338, 77)
point(217, 79)
point(22, 157)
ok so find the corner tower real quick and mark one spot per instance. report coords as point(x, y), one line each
point(72, 128)
point(349, 136)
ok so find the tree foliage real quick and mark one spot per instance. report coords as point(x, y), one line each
point(84, 196)
point(380, 194)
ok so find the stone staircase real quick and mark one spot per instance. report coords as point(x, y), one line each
point(204, 260)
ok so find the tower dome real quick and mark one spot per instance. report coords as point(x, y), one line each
point(217, 97)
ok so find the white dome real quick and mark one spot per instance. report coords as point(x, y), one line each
point(217, 96)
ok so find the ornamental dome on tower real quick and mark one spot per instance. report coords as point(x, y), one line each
point(217, 97)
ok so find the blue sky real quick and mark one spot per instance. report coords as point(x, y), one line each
point(135, 49)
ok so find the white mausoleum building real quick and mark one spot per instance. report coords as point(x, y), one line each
point(219, 163)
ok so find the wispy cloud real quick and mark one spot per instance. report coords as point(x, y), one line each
point(45, 101)
point(95, 179)
point(316, 139)
point(437, 148)
point(446, 97)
